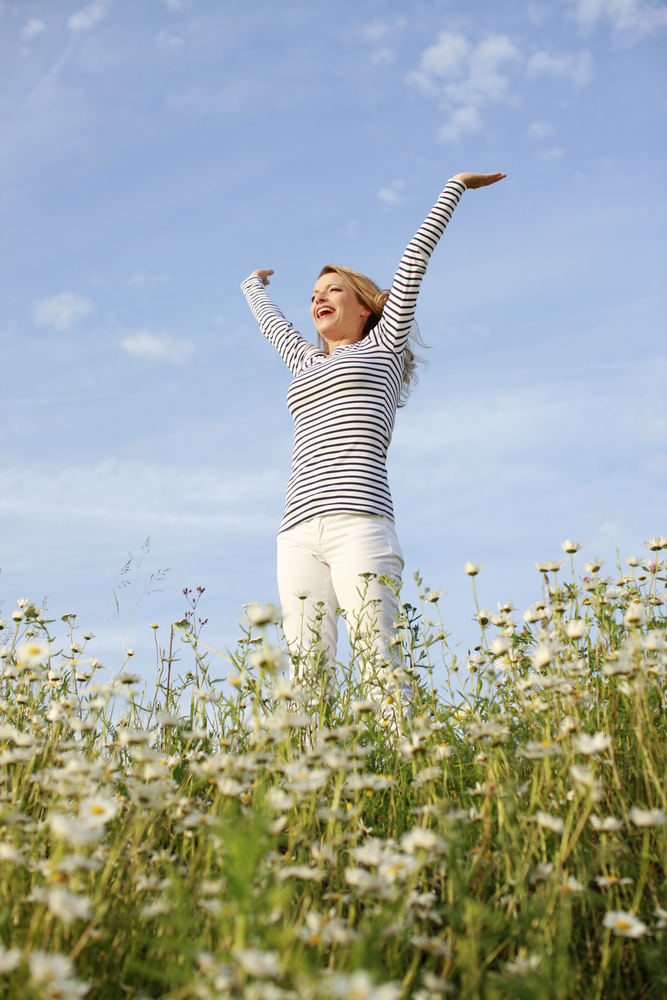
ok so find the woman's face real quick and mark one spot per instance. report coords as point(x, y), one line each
point(337, 313)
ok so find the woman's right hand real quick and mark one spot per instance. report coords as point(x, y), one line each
point(264, 275)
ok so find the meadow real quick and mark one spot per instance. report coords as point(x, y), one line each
point(493, 826)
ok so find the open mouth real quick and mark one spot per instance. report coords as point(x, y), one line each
point(324, 311)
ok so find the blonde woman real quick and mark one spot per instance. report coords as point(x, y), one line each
point(339, 519)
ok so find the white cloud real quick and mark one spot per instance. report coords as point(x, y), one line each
point(538, 130)
point(88, 16)
point(143, 279)
point(378, 34)
point(628, 18)
point(446, 58)
point(484, 80)
point(32, 29)
point(577, 69)
point(157, 348)
point(391, 195)
point(202, 498)
point(463, 121)
point(61, 311)
point(443, 433)
point(552, 154)
point(539, 13)
point(467, 77)
point(232, 98)
point(473, 69)
point(383, 56)
point(169, 42)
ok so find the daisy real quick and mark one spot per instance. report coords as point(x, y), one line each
point(624, 924)
point(647, 817)
point(472, 569)
point(589, 745)
point(553, 823)
point(98, 810)
point(31, 654)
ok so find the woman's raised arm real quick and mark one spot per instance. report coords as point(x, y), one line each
point(292, 347)
point(394, 327)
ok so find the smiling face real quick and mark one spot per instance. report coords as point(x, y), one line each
point(337, 313)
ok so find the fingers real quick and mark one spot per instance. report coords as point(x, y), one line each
point(473, 181)
point(483, 180)
point(491, 179)
point(263, 274)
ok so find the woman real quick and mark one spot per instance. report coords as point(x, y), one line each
point(339, 521)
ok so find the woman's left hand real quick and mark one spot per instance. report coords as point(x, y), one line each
point(472, 181)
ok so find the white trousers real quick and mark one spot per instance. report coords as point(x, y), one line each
point(321, 560)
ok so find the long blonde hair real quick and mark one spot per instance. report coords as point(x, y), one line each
point(374, 298)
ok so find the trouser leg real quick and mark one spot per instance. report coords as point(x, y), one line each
point(308, 598)
point(355, 544)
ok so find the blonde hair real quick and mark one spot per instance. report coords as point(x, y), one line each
point(374, 298)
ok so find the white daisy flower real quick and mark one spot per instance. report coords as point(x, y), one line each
point(67, 906)
point(258, 963)
point(647, 817)
point(589, 745)
point(98, 810)
point(31, 654)
point(553, 823)
point(9, 959)
point(624, 924)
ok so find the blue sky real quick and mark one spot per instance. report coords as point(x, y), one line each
point(156, 153)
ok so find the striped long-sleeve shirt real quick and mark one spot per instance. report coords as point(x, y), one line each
point(344, 405)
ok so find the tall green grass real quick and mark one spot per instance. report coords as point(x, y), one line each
point(500, 833)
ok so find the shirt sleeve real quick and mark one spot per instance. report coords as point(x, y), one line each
point(292, 347)
point(399, 311)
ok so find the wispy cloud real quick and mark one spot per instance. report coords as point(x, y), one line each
point(549, 155)
point(392, 194)
point(61, 311)
point(88, 16)
point(203, 499)
point(32, 29)
point(232, 97)
point(160, 347)
point(142, 279)
point(443, 434)
point(169, 42)
point(379, 34)
point(462, 121)
point(538, 130)
point(629, 19)
point(577, 68)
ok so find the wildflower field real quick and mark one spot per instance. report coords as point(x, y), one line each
point(487, 827)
